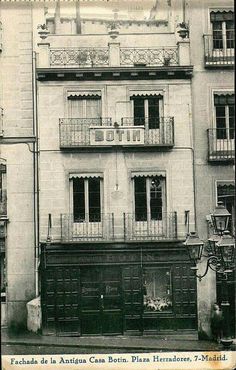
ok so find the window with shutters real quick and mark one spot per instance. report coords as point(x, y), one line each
point(84, 106)
point(222, 29)
point(147, 110)
point(87, 199)
point(224, 115)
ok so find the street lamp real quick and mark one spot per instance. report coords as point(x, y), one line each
point(220, 258)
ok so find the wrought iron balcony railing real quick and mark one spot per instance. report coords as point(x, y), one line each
point(85, 132)
point(221, 144)
point(149, 56)
point(79, 57)
point(100, 228)
point(75, 132)
point(126, 228)
point(158, 131)
point(150, 229)
point(219, 51)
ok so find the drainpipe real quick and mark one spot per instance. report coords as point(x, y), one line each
point(36, 173)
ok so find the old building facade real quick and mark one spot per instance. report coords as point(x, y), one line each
point(114, 156)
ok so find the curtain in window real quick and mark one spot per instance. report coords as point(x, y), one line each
point(76, 108)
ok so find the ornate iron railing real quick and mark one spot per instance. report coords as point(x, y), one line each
point(73, 229)
point(107, 227)
point(149, 56)
point(219, 51)
point(148, 229)
point(158, 131)
point(221, 144)
point(79, 57)
point(75, 131)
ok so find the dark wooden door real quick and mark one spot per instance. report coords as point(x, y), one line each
point(101, 301)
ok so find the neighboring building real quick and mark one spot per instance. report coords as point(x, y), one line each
point(105, 153)
point(212, 53)
point(16, 131)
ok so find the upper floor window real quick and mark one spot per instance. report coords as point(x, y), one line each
point(87, 199)
point(222, 29)
point(226, 194)
point(147, 110)
point(224, 115)
point(149, 198)
point(87, 105)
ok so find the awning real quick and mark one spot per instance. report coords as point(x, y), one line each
point(85, 175)
point(145, 94)
point(221, 15)
point(224, 98)
point(84, 95)
point(148, 174)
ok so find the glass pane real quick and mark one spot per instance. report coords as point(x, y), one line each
point(220, 122)
point(140, 199)
point(157, 290)
point(230, 34)
point(153, 113)
point(217, 35)
point(93, 108)
point(94, 200)
point(139, 113)
point(231, 121)
point(76, 108)
point(78, 200)
point(156, 199)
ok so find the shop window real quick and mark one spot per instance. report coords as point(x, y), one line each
point(157, 290)
point(222, 29)
point(87, 199)
point(84, 106)
point(148, 193)
point(224, 115)
point(226, 194)
point(147, 110)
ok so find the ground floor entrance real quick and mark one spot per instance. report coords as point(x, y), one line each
point(115, 291)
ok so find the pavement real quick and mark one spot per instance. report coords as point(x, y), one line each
point(127, 344)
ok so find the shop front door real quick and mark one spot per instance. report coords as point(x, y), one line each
point(101, 304)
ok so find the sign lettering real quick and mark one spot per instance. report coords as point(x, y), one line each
point(117, 136)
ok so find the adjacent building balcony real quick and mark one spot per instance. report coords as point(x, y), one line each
point(221, 144)
point(3, 203)
point(124, 228)
point(99, 132)
point(219, 52)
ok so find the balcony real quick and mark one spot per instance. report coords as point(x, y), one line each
point(102, 57)
point(219, 52)
point(126, 228)
point(221, 145)
point(99, 132)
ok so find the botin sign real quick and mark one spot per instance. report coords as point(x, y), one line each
point(116, 136)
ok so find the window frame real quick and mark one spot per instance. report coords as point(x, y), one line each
point(223, 28)
point(148, 198)
point(146, 100)
point(86, 193)
point(227, 116)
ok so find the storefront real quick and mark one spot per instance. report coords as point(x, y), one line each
point(117, 289)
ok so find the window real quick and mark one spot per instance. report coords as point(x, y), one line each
point(84, 106)
point(224, 116)
point(226, 194)
point(147, 110)
point(148, 197)
point(157, 289)
point(87, 199)
point(222, 29)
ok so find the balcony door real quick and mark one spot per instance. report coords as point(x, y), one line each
point(223, 35)
point(87, 215)
point(224, 122)
point(148, 112)
point(101, 301)
point(149, 207)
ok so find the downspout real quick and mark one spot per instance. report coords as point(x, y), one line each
point(36, 172)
